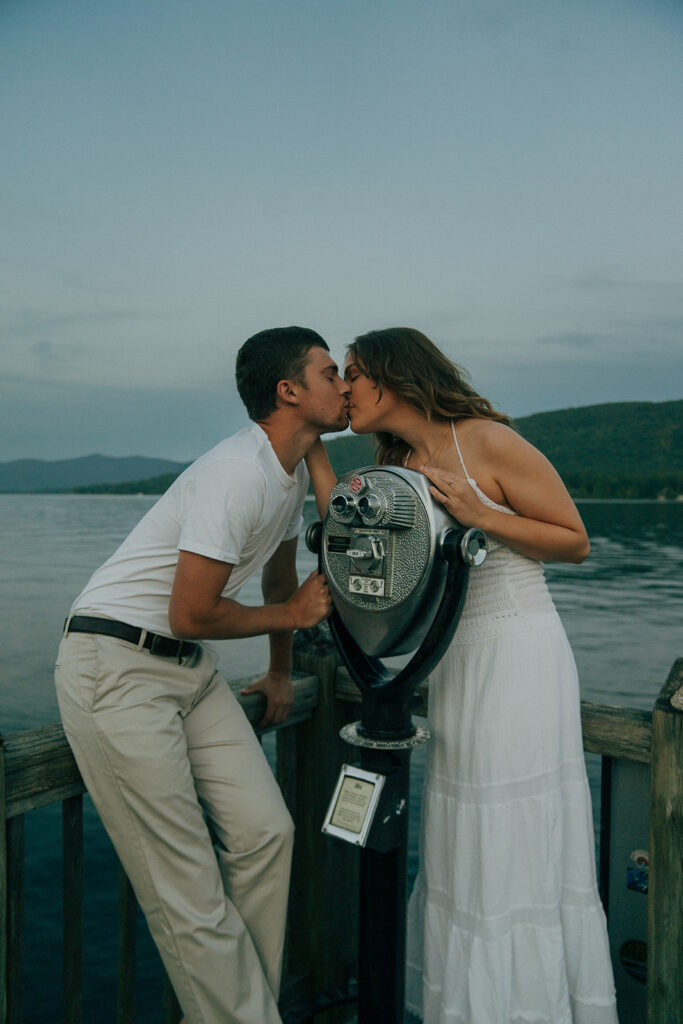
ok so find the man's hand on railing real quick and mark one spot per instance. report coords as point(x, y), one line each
point(279, 693)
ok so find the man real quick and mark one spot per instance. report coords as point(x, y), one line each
point(158, 736)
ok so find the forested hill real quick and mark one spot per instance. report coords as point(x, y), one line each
point(621, 449)
point(637, 438)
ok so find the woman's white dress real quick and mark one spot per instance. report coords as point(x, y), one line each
point(505, 925)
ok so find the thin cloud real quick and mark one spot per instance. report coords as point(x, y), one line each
point(599, 281)
point(52, 358)
point(575, 340)
point(638, 336)
point(31, 322)
point(671, 327)
point(492, 19)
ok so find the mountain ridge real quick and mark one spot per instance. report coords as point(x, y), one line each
point(25, 476)
point(611, 449)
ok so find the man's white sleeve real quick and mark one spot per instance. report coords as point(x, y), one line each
point(221, 506)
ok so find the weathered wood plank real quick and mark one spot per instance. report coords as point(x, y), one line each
point(72, 915)
point(665, 893)
point(611, 731)
point(345, 688)
point(616, 731)
point(305, 700)
point(40, 768)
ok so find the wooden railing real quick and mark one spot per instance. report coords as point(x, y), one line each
point(37, 769)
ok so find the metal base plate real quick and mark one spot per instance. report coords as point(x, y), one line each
point(350, 734)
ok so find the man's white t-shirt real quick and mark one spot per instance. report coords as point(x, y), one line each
point(235, 504)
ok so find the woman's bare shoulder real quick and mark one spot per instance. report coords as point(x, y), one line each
point(497, 443)
point(488, 433)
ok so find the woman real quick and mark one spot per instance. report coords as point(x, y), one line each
point(505, 924)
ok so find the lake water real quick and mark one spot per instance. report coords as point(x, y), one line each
point(623, 611)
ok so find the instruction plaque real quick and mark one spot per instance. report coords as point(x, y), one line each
point(353, 805)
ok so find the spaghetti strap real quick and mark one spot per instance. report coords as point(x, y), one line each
point(462, 461)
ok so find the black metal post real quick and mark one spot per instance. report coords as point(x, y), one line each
point(382, 907)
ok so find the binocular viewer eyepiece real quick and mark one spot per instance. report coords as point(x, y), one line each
point(397, 566)
point(373, 502)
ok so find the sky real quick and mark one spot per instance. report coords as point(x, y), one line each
point(176, 175)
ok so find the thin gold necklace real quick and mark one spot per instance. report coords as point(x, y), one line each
point(431, 457)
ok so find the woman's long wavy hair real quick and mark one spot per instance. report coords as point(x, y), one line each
point(406, 362)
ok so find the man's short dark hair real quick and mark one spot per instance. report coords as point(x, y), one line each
point(268, 357)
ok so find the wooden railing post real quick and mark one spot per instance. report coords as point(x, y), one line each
point(15, 919)
point(72, 917)
point(665, 894)
point(171, 1007)
point(321, 952)
point(3, 889)
point(11, 907)
point(125, 989)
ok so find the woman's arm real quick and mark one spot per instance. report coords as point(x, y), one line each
point(547, 526)
point(322, 475)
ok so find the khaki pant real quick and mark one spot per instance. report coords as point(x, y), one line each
point(157, 744)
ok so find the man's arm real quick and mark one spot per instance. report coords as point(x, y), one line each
point(198, 611)
point(278, 583)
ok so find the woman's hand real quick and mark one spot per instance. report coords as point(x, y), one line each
point(547, 525)
point(457, 496)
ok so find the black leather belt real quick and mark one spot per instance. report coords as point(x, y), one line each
point(155, 643)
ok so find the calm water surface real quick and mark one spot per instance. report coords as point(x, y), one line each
point(623, 611)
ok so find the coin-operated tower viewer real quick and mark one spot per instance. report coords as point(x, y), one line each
point(397, 565)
